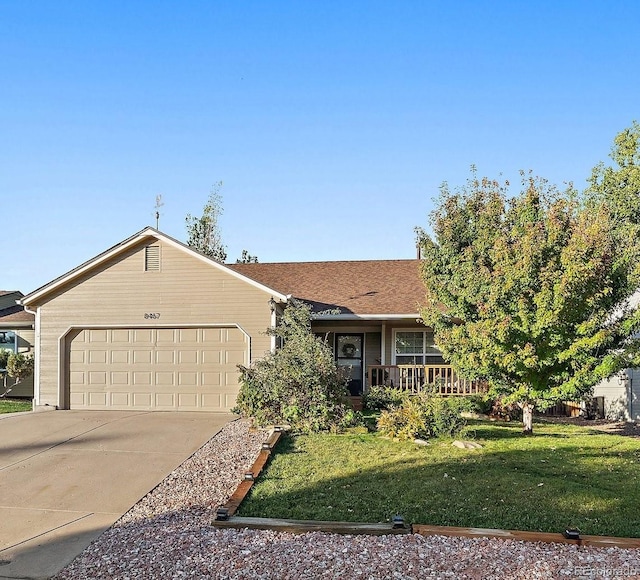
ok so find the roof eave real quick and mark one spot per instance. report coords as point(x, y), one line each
point(10, 325)
point(353, 316)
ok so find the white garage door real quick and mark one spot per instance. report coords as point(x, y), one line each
point(164, 369)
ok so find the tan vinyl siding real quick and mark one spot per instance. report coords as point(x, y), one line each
point(186, 291)
point(372, 346)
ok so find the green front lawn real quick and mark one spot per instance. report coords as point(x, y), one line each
point(14, 405)
point(561, 476)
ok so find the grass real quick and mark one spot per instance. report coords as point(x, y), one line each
point(561, 476)
point(14, 405)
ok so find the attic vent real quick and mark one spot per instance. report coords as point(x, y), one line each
point(152, 259)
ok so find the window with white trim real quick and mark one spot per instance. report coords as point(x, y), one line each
point(415, 347)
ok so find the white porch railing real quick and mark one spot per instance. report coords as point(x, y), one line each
point(414, 377)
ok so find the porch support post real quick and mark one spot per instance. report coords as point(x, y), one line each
point(383, 345)
point(274, 321)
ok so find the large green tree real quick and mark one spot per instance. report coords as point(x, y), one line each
point(532, 291)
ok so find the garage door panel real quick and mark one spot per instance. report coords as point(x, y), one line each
point(97, 399)
point(120, 336)
point(97, 378)
point(211, 379)
point(141, 400)
point(142, 357)
point(142, 336)
point(119, 357)
point(97, 336)
point(97, 356)
point(167, 357)
point(190, 335)
point(165, 379)
point(188, 401)
point(187, 356)
point(77, 356)
point(120, 400)
point(162, 369)
point(77, 400)
point(166, 336)
point(77, 378)
point(166, 400)
point(234, 357)
point(141, 378)
point(187, 379)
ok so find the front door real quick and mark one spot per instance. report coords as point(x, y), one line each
point(349, 348)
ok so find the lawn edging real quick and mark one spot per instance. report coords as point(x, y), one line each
point(225, 518)
point(227, 510)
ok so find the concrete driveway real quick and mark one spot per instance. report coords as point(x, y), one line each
point(66, 476)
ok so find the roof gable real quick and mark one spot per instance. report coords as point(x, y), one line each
point(37, 296)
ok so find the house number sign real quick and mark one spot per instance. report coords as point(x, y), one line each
point(152, 315)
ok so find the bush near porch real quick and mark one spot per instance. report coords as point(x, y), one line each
point(561, 476)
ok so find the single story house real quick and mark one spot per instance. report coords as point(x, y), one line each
point(152, 324)
point(16, 335)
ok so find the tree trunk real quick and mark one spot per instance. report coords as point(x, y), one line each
point(527, 418)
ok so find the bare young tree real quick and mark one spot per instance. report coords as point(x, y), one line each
point(204, 231)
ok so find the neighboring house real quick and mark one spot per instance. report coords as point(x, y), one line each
point(152, 324)
point(16, 335)
point(621, 394)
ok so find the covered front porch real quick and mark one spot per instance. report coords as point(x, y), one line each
point(397, 353)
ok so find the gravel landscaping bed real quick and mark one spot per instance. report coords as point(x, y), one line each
point(168, 535)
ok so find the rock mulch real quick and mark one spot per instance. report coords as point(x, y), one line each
point(168, 535)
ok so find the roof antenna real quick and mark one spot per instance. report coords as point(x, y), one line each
point(159, 204)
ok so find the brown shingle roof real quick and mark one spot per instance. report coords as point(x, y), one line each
point(15, 314)
point(362, 287)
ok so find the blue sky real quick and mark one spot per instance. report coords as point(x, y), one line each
point(331, 124)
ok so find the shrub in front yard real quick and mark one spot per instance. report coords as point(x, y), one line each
point(423, 416)
point(380, 397)
point(298, 384)
point(480, 404)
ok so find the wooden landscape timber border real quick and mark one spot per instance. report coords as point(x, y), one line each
point(225, 519)
point(304, 526)
point(546, 537)
point(233, 503)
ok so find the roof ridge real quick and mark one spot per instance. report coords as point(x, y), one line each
point(325, 262)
